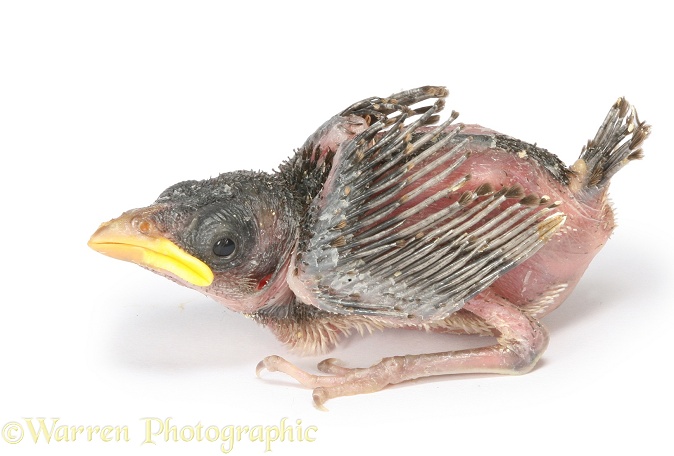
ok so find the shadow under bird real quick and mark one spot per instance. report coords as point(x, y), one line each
point(383, 219)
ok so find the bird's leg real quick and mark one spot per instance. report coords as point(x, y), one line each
point(521, 341)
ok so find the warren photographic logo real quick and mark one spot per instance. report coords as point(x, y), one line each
point(158, 431)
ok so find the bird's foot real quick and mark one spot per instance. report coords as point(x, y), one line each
point(521, 342)
point(341, 381)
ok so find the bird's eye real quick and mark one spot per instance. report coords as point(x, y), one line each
point(224, 247)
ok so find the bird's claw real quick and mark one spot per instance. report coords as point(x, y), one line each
point(268, 363)
point(319, 396)
point(333, 366)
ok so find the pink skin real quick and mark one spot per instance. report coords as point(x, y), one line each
point(565, 257)
point(521, 338)
point(561, 261)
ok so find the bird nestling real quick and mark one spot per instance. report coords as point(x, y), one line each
point(384, 220)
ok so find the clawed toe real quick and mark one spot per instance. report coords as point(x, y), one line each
point(333, 366)
point(275, 363)
point(320, 395)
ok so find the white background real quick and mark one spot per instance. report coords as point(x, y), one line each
point(104, 104)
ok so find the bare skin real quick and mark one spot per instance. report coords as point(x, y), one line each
point(513, 305)
point(382, 220)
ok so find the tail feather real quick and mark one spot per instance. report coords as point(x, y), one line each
point(617, 142)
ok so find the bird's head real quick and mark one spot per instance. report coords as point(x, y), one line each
point(229, 237)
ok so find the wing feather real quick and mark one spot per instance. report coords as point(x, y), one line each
point(392, 233)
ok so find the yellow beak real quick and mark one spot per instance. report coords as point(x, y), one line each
point(128, 239)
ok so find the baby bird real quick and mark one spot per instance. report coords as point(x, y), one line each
point(383, 219)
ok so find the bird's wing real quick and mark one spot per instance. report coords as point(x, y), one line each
point(393, 233)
